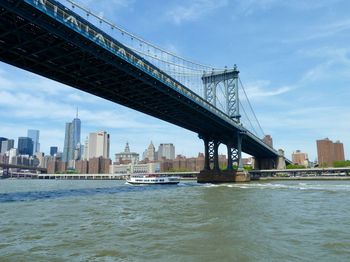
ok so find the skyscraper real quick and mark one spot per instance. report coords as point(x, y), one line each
point(150, 152)
point(98, 145)
point(25, 146)
point(167, 151)
point(34, 135)
point(6, 145)
point(71, 139)
point(2, 139)
point(53, 150)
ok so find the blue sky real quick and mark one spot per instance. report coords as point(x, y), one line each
point(293, 56)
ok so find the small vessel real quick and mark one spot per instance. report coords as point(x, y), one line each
point(152, 179)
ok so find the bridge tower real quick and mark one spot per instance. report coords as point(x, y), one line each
point(229, 80)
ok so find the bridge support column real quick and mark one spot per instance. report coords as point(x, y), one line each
point(206, 154)
point(270, 163)
point(211, 157)
point(212, 172)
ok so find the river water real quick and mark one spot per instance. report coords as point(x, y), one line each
point(63, 220)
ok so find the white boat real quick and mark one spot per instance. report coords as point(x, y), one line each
point(152, 179)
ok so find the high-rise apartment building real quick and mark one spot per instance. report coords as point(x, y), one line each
point(25, 146)
point(71, 139)
point(34, 135)
point(167, 151)
point(300, 158)
point(268, 140)
point(98, 145)
point(328, 152)
point(6, 145)
point(338, 151)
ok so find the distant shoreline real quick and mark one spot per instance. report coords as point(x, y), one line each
point(305, 178)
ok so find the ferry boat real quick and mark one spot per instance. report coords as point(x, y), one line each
point(152, 179)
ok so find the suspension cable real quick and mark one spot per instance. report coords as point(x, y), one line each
point(251, 108)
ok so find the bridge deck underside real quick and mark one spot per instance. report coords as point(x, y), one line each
point(33, 41)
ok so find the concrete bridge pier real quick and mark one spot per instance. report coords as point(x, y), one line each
point(270, 163)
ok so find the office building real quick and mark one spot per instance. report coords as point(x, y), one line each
point(329, 152)
point(2, 139)
point(166, 151)
point(126, 157)
point(300, 158)
point(53, 150)
point(71, 140)
point(34, 135)
point(6, 145)
point(12, 153)
point(25, 146)
point(98, 145)
point(150, 153)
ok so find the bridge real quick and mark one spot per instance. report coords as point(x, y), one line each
point(71, 45)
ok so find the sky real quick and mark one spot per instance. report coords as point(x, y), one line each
point(293, 57)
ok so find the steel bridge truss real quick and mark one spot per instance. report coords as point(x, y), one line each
point(234, 152)
point(229, 78)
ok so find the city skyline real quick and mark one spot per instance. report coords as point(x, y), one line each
point(290, 92)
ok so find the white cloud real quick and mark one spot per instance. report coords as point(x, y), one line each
point(194, 10)
point(262, 89)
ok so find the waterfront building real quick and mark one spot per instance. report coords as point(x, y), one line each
point(181, 163)
point(167, 151)
point(300, 158)
point(25, 146)
point(6, 145)
point(4, 159)
point(53, 150)
point(126, 157)
point(34, 135)
point(99, 165)
point(133, 168)
point(328, 152)
point(41, 158)
point(268, 140)
point(12, 153)
point(82, 166)
point(150, 153)
point(71, 139)
point(56, 166)
point(98, 145)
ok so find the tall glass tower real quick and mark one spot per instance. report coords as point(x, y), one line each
point(25, 146)
point(34, 135)
point(71, 139)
